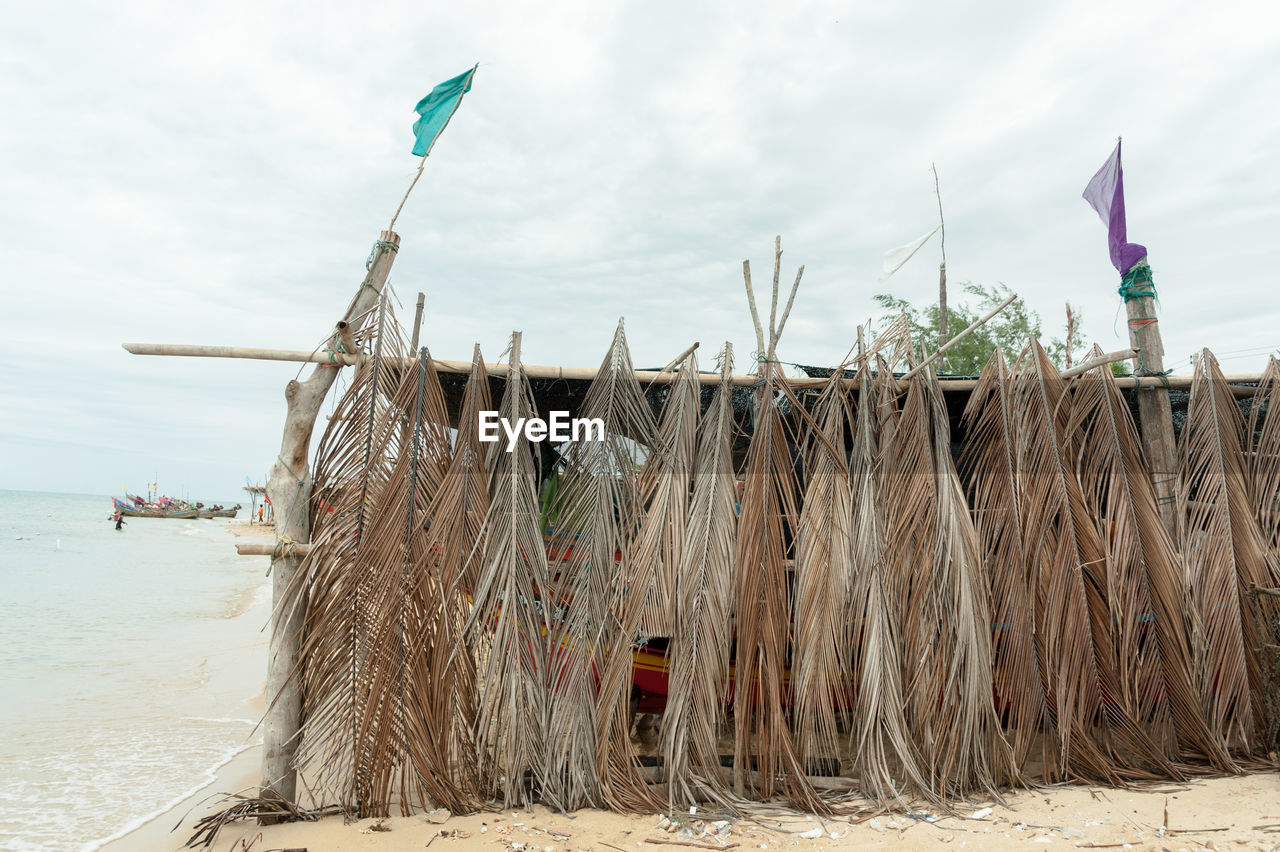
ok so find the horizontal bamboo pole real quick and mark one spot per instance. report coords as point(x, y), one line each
point(535, 371)
point(1108, 358)
point(977, 324)
point(268, 548)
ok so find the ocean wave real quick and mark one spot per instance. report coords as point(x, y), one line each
point(249, 599)
point(210, 776)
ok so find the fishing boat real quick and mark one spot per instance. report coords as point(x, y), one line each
point(219, 512)
point(136, 507)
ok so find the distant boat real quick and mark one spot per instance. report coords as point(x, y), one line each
point(218, 511)
point(136, 507)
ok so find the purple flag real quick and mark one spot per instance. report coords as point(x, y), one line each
point(1105, 194)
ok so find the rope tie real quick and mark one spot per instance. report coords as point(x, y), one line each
point(285, 548)
point(285, 464)
point(379, 247)
point(760, 359)
point(284, 521)
point(1137, 283)
point(1145, 371)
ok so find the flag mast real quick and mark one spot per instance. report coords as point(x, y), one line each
point(290, 481)
point(423, 162)
point(1105, 193)
point(1155, 415)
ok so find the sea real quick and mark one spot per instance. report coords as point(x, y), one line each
point(132, 666)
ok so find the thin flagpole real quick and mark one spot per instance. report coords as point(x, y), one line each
point(422, 164)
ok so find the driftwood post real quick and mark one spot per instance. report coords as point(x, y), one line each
point(1155, 417)
point(289, 487)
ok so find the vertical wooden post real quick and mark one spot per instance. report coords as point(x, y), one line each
point(1071, 334)
point(413, 347)
point(942, 267)
point(1155, 417)
point(417, 321)
point(289, 486)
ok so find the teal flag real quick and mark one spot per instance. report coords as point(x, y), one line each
point(437, 108)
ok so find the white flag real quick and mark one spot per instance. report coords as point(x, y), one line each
point(895, 258)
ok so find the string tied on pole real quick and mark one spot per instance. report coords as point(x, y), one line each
point(1137, 283)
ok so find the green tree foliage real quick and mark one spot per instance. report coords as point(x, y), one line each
point(1008, 330)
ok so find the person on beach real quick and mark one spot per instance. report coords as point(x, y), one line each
point(119, 521)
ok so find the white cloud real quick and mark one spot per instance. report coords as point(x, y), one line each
point(217, 174)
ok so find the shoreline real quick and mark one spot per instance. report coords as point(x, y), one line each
point(1199, 814)
point(170, 826)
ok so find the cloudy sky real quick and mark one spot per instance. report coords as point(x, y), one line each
point(217, 173)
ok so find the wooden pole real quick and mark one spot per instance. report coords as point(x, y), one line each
point(348, 339)
point(535, 371)
point(262, 548)
point(289, 487)
point(1089, 363)
point(777, 271)
point(417, 321)
point(1071, 333)
point(942, 267)
point(961, 336)
point(1155, 416)
point(755, 314)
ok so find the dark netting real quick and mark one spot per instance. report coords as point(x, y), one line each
point(568, 395)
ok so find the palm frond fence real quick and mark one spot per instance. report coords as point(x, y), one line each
point(875, 587)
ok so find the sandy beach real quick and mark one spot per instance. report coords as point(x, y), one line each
point(1222, 813)
point(1219, 814)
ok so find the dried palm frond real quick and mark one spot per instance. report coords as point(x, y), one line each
point(1145, 589)
point(353, 455)
point(996, 500)
point(355, 461)
point(445, 672)
point(506, 631)
point(882, 745)
point(1264, 460)
point(1225, 551)
point(1098, 737)
point(820, 663)
point(698, 655)
point(463, 502)
point(441, 726)
point(933, 552)
point(766, 523)
point(598, 509)
point(646, 600)
point(664, 491)
point(401, 735)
